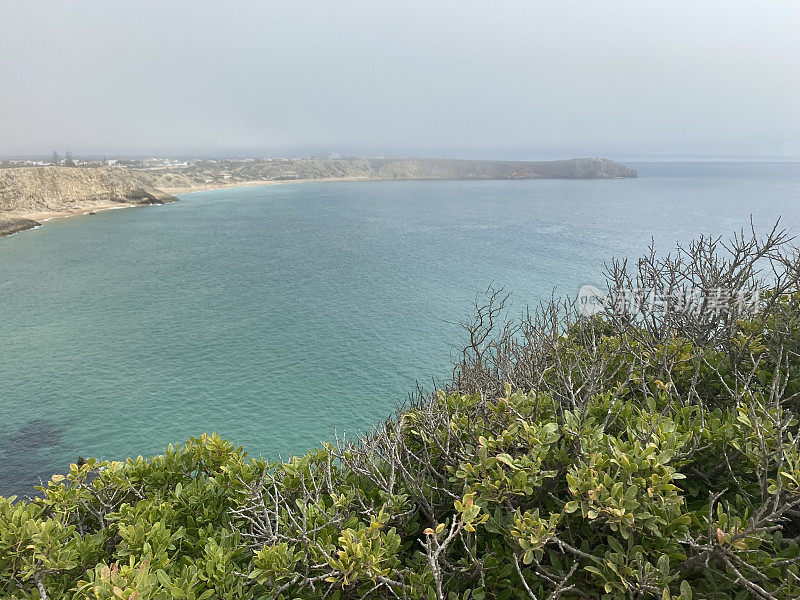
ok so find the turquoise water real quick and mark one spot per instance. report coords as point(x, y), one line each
point(278, 315)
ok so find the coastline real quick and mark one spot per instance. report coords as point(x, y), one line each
point(39, 219)
point(17, 222)
point(185, 191)
point(13, 223)
point(33, 195)
point(44, 217)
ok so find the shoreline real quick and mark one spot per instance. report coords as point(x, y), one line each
point(36, 220)
point(20, 222)
point(183, 191)
point(28, 192)
point(44, 217)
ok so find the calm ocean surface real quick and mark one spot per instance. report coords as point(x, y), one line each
point(277, 315)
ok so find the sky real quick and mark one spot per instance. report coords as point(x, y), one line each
point(624, 79)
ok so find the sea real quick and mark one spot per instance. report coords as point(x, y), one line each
point(282, 316)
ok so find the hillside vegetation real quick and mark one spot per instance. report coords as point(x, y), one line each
point(649, 451)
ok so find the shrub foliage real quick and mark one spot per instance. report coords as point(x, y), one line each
point(650, 451)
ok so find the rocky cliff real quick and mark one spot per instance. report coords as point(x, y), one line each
point(29, 192)
point(9, 225)
point(56, 189)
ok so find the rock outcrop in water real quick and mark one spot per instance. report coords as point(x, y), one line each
point(9, 225)
point(31, 191)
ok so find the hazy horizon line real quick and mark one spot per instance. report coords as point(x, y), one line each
point(243, 155)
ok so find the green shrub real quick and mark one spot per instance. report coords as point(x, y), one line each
point(627, 455)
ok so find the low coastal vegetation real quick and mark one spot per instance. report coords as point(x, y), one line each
point(647, 451)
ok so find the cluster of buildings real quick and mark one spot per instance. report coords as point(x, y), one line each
point(55, 160)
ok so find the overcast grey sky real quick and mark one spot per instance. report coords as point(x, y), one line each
point(627, 79)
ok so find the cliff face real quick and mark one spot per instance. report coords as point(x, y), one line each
point(27, 191)
point(57, 189)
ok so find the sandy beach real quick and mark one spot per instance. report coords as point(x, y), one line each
point(44, 217)
point(182, 191)
point(12, 223)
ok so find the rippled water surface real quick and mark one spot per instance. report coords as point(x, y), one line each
point(277, 315)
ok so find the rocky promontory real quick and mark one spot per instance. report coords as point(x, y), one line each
point(9, 225)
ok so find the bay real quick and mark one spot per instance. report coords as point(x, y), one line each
point(281, 315)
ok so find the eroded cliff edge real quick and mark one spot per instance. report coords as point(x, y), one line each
point(27, 193)
point(54, 189)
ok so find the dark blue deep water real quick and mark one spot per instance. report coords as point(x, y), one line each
point(278, 315)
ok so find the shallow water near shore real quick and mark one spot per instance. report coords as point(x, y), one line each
point(279, 315)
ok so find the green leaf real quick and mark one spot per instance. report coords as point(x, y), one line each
point(163, 578)
point(508, 460)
